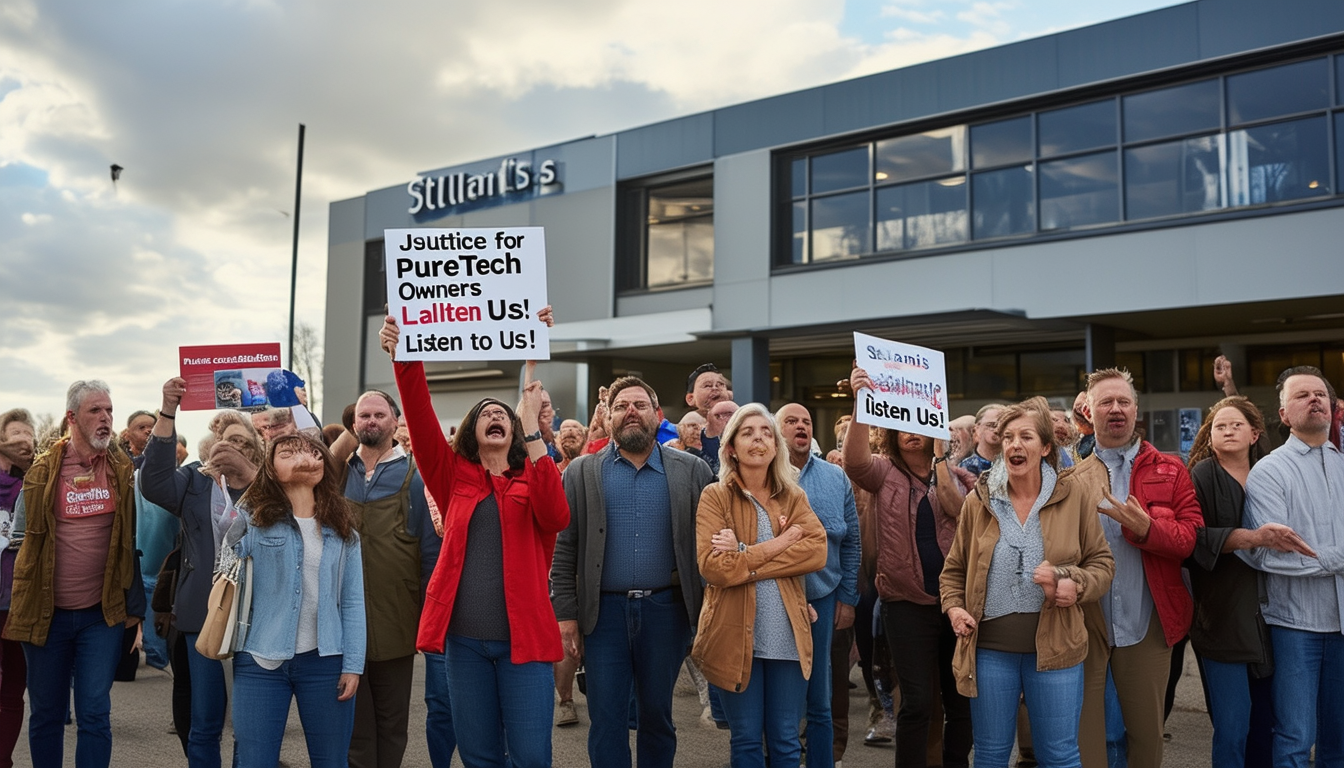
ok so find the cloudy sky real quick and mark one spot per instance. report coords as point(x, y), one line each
point(200, 102)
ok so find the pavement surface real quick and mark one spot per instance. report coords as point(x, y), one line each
point(141, 738)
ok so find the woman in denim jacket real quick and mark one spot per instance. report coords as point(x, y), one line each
point(307, 634)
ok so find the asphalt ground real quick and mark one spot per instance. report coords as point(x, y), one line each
point(141, 738)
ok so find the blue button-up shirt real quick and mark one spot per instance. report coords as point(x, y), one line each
point(1303, 488)
point(1128, 606)
point(832, 498)
point(638, 552)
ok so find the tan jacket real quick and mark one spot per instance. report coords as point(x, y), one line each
point(723, 644)
point(1073, 539)
point(33, 602)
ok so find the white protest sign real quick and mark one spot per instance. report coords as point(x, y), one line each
point(909, 387)
point(468, 294)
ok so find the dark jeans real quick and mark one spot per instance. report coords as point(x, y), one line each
point(80, 647)
point(209, 704)
point(261, 699)
point(382, 713)
point(820, 728)
point(497, 702)
point(13, 682)
point(439, 736)
point(767, 710)
point(640, 640)
point(922, 641)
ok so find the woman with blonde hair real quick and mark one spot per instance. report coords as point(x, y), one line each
point(1029, 548)
point(756, 538)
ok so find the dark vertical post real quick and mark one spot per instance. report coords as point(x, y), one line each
point(751, 370)
point(294, 265)
point(1100, 346)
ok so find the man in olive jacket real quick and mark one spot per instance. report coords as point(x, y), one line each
point(625, 580)
point(76, 580)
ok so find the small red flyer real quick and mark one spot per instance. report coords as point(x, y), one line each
point(228, 375)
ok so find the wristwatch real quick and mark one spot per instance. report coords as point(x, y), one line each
point(532, 438)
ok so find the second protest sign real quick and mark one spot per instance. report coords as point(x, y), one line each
point(468, 294)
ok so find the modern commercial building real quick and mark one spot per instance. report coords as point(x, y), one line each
point(1151, 191)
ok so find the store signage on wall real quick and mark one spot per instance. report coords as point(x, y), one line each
point(516, 180)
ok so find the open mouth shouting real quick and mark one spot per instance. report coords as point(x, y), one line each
point(496, 430)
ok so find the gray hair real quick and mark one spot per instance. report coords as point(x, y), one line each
point(74, 397)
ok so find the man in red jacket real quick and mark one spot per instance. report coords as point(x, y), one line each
point(1149, 514)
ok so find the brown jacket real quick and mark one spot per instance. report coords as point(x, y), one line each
point(1073, 539)
point(33, 602)
point(895, 502)
point(722, 647)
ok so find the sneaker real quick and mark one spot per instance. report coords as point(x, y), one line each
point(886, 726)
point(565, 714)
point(873, 738)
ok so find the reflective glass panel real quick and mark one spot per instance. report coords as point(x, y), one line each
point(798, 177)
point(1176, 177)
point(1339, 145)
point(1007, 141)
point(799, 233)
point(1277, 91)
point(1281, 161)
point(1339, 79)
point(1079, 191)
point(1072, 129)
point(922, 214)
point(840, 170)
point(681, 233)
point(923, 154)
point(1172, 111)
point(1004, 203)
point(840, 226)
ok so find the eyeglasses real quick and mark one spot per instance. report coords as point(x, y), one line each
point(639, 406)
point(494, 413)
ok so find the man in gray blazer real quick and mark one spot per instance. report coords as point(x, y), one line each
point(625, 584)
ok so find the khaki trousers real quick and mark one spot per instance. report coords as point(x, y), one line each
point(1141, 673)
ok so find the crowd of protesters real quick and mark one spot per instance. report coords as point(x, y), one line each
point(1017, 588)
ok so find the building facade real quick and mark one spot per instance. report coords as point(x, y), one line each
point(1150, 192)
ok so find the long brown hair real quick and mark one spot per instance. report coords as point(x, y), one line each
point(1203, 447)
point(267, 503)
point(464, 442)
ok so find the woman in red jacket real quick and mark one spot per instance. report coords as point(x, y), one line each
point(503, 505)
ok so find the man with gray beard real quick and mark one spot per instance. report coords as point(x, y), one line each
point(399, 549)
point(625, 581)
point(76, 579)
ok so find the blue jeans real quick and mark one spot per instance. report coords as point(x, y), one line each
point(1232, 695)
point(497, 702)
point(80, 646)
point(439, 734)
point(156, 648)
point(641, 641)
point(261, 706)
point(1308, 688)
point(771, 705)
point(1054, 700)
point(820, 734)
point(209, 703)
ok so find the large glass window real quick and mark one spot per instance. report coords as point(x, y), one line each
point(1284, 90)
point(1005, 203)
point(1257, 137)
point(1277, 162)
point(1183, 176)
point(840, 170)
point(1074, 129)
point(924, 154)
point(840, 226)
point(1001, 143)
point(1172, 111)
point(666, 233)
point(1079, 191)
point(922, 214)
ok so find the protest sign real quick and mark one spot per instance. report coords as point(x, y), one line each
point(909, 387)
point(468, 294)
point(235, 376)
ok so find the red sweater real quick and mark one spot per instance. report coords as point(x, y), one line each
point(532, 511)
